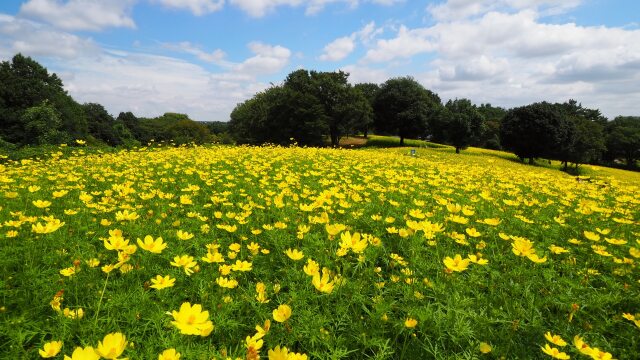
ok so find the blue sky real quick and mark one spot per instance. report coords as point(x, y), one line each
point(202, 57)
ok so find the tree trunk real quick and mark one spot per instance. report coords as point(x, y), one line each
point(401, 140)
point(530, 161)
point(457, 150)
point(566, 165)
point(366, 133)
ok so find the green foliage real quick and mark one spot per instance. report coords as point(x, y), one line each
point(623, 139)
point(462, 124)
point(403, 107)
point(535, 130)
point(42, 125)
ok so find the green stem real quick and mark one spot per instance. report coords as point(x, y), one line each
point(104, 288)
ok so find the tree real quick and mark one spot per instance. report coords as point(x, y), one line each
point(493, 116)
point(278, 115)
point(584, 141)
point(42, 125)
point(534, 130)
point(186, 131)
point(463, 124)
point(101, 123)
point(369, 91)
point(403, 107)
point(26, 84)
point(623, 139)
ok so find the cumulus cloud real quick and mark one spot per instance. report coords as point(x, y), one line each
point(217, 56)
point(90, 15)
point(267, 59)
point(342, 47)
point(259, 8)
point(197, 7)
point(452, 10)
point(35, 39)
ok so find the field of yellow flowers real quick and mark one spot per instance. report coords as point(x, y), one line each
point(300, 253)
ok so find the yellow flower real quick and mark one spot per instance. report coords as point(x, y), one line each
point(155, 246)
point(591, 236)
point(183, 235)
point(50, 349)
point(536, 259)
point(557, 249)
point(311, 268)
point(68, 272)
point(112, 345)
point(554, 352)
point(80, 142)
point(191, 320)
point(354, 241)
point(41, 204)
point(492, 221)
point(294, 254)
point(169, 354)
point(581, 345)
point(226, 283)
point(554, 339)
point(87, 353)
point(522, 247)
point(473, 232)
point(485, 348)
point(186, 262)
point(323, 284)
point(456, 264)
point(241, 266)
point(73, 314)
point(410, 323)
point(160, 282)
point(278, 353)
point(282, 313)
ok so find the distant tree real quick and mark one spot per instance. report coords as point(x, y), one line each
point(535, 130)
point(279, 115)
point(100, 124)
point(369, 91)
point(584, 141)
point(493, 116)
point(403, 107)
point(26, 84)
point(217, 127)
point(42, 124)
point(187, 131)
point(623, 139)
point(463, 124)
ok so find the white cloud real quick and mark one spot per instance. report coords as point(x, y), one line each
point(407, 43)
point(342, 47)
point(268, 59)
point(217, 56)
point(452, 10)
point(197, 7)
point(81, 14)
point(34, 39)
point(338, 49)
point(259, 8)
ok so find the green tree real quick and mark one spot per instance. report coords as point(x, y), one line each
point(535, 130)
point(623, 139)
point(403, 107)
point(42, 124)
point(585, 140)
point(493, 116)
point(369, 91)
point(186, 131)
point(463, 123)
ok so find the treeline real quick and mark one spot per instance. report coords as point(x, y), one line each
point(36, 110)
point(312, 106)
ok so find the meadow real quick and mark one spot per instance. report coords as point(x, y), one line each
point(216, 252)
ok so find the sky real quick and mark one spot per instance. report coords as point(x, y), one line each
point(203, 57)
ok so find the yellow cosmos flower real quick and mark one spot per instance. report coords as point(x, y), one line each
point(183, 235)
point(557, 249)
point(554, 352)
point(87, 353)
point(50, 349)
point(126, 215)
point(191, 320)
point(456, 263)
point(312, 268)
point(485, 348)
point(112, 345)
point(154, 246)
point(282, 313)
point(278, 353)
point(186, 262)
point(473, 232)
point(160, 282)
point(492, 221)
point(48, 227)
point(410, 323)
point(294, 254)
point(169, 354)
point(581, 345)
point(226, 283)
point(41, 204)
point(522, 247)
point(68, 272)
point(73, 314)
point(554, 339)
point(242, 266)
point(591, 236)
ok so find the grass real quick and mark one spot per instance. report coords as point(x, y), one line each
point(561, 255)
